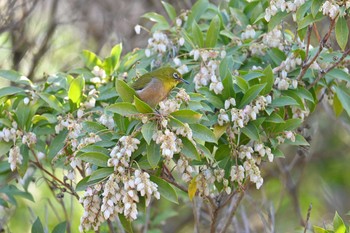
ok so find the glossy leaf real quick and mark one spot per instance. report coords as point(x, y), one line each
point(342, 32)
point(251, 131)
point(165, 189)
point(95, 158)
point(123, 108)
point(283, 101)
point(187, 116)
point(148, 130)
point(153, 154)
point(14, 77)
point(213, 32)
point(197, 35)
point(60, 228)
point(338, 224)
point(6, 91)
point(101, 173)
point(141, 106)
point(125, 91)
point(75, 91)
point(344, 98)
point(57, 144)
point(37, 226)
point(170, 10)
point(203, 133)
point(268, 79)
point(189, 150)
point(52, 101)
point(91, 59)
point(251, 94)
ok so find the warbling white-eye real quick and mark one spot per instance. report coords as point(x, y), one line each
point(155, 86)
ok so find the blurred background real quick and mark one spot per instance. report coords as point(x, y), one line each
point(39, 37)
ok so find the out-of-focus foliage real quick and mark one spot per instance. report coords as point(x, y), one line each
point(254, 81)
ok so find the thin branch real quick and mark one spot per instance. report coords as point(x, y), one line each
point(233, 209)
point(322, 74)
point(308, 218)
point(320, 48)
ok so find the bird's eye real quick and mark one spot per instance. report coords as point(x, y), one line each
point(176, 76)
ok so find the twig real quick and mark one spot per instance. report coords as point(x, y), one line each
point(197, 203)
point(320, 47)
point(147, 218)
point(110, 226)
point(233, 210)
point(308, 218)
point(322, 74)
point(308, 42)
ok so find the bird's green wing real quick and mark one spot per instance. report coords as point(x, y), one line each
point(141, 82)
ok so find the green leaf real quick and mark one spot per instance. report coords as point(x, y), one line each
point(170, 10)
point(320, 230)
point(187, 116)
point(75, 91)
point(91, 60)
point(95, 158)
point(37, 226)
point(228, 91)
point(141, 106)
point(23, 115)
point(337, 74)
point(189, 150)
point(342, 32)
point(338, 224)
point(153, 154)
point(101, 173)
point(344, 98)
point(84, 183)
point(268, 79)
point(299, 141)
point(251, 94)
point(125, 91)
point(203, 133)
point(165, 189)
point(315, 7)
point(197, 35)
point(213, 32)
point(283, 101)
point(302, 10)
point(57, 144)
point(309, 19)
point(15, 77)
point(125, 223)
point(111, 63)
point(251, 131)
point(124, 109)
point(155, 17)
point(274, 118)
point(60, 228)
point(222, 152)
point(11, 190)
point(337, 106)
point(276, 20)
point(6, 91)
point(242, 83)
point(289, 124)
point(197, 11)
point(148, 130)
point(51, 101)
point(93, 127)
point(94, 148)
point(5, 147)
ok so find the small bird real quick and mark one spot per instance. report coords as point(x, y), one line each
point(155, 86)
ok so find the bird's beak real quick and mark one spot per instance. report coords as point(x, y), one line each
point(184, 81)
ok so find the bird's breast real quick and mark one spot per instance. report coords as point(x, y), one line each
point(153, 92)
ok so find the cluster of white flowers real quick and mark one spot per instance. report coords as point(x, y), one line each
point(241, 117)
point(284, 83)
point(252, 172)
point(274, 39)
point(184, 168)
point(100, 75)
point(330, 8)
point(107, 121)
point(10, 134)
point(91, 218)
point(120, 195)
point(157, 44)
point(15, 157)
point(206, 178)
point(29, 138)
point(91, 98)
point(248, 33)
point(300, 113)
point(257, 49)
point(121, 153)
point(286, 135)
point(171, 105)
point(182, 68)
point(170, 144)
point(282, 5)
point(70, 123)
point(207, 74)
point(184, 131)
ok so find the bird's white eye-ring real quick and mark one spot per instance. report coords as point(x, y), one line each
point(176, 76)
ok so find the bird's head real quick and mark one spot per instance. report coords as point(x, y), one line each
point(169, 76)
